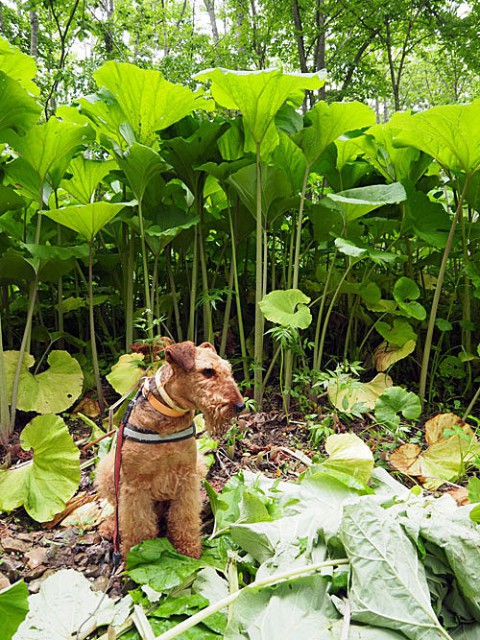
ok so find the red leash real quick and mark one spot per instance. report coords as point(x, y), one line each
point(117, 556)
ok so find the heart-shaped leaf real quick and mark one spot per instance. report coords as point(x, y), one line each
point(406, 292)
point(44, 486)
point(258, 95)
point(126, 373)
point(395, 401)
point(287, 308)
point(51, 391)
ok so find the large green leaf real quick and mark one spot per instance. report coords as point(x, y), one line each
point(19, 110)
point(86, 176)
point(388, 587)
point(450, 134)
point(18, 66)
point(287, 308)
point(126, 373)
point(395, 401)
point(49, 147)
point(301, 609)
point(67, 607)
point(453, 531)
point(13, 607)
point(258, 95)
point(348, 454)
point(393, 163)
point(26, 180)
point(148, 102)
point(276, 190)
point(187, 154)
point(10, 200)
point(140, 164)
point(52, 391)
point(87, 219)
point(355, 203)
point(329, 121)
point(156, 563)
point(406, 292)
point(429, 220)
point(44, 486)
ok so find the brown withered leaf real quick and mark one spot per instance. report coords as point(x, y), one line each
point(460, 495)
point(435, 427)
point(406, 459)
point(387, 354)
point(88, 406)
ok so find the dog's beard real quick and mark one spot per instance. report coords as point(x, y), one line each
point(217, 420)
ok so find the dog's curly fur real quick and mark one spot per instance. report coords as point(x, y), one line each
point(161, 482)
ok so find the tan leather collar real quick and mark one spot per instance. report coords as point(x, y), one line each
point(169, 408)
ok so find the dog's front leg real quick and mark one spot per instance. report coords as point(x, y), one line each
point(183, 521)
point(137, 517)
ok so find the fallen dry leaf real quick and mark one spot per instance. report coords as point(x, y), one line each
point(435, 427)
point(72, 504)
point(345, 395)
point(460, 495)
point(387, 354)
point(405, 459)
point(88, 406)
point(88, 515)
point(445, 459)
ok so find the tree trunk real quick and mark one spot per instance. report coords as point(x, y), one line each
point(320, 45)
point(297, 21)
point(2, 22)
point(210, 7)
point(33, 34)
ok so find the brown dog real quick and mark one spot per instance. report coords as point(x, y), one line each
point(161, 479)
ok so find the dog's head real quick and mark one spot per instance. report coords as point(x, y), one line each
point(202, 380)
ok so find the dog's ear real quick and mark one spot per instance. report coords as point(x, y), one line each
point(181, 355)
point(208, 345)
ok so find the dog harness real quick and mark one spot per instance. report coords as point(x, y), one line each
point(129, 431)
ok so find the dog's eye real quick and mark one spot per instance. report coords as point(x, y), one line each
point(208, 373)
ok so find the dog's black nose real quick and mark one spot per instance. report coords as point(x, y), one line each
point(239, 406)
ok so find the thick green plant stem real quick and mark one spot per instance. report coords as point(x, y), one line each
point(317, 356)
point(227, 312)
point(93, 340)
point(23, 348)
point(296, 271)
point(257, 584)
point(466, 301)
point(173, 290)
point(436, 298)
point(473, 402)
point(193, 287)
point(259, 322)
point(238, 302)
point(207, 309)
point(328, 314)
point(143, 244)
point(4, 412)
point(128, 287)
